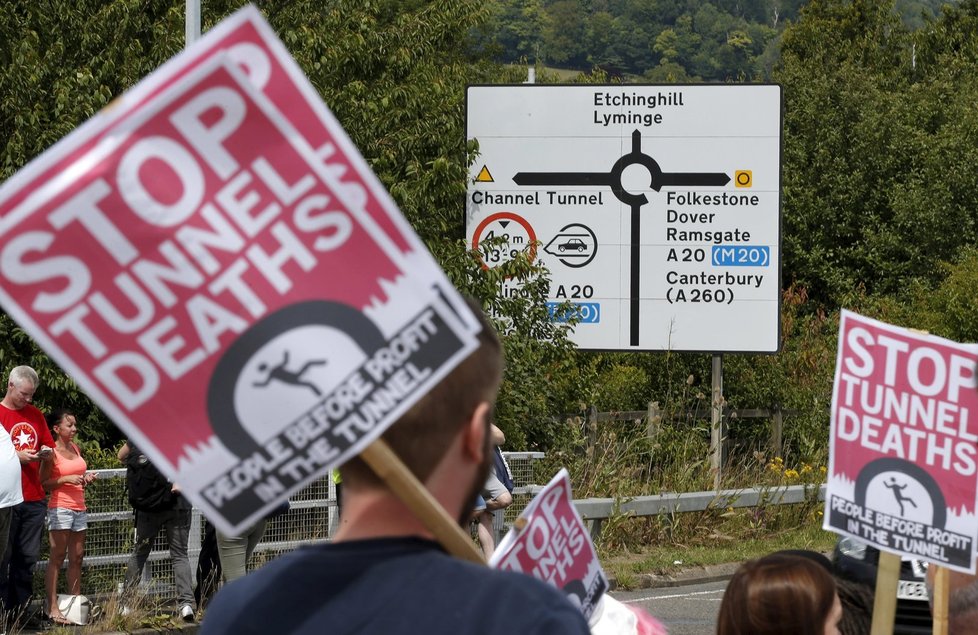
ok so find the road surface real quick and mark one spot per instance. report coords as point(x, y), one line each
point(685, 610)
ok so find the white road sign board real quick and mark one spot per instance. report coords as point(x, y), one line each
point(656, 208)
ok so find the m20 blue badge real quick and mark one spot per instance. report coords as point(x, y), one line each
point(586, 312)
point(741, 256)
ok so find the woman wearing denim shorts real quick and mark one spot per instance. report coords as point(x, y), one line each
point(65, 478)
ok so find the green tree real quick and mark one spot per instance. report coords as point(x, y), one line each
point(516, 28)
point(563, 35)
point(667, 45)
point(601, 38)
point(836, 134)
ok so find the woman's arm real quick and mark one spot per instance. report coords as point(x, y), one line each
point(50, 482)
point(47, 482)
point(496, 436)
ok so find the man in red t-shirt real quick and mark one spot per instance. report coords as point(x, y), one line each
point(33, 442)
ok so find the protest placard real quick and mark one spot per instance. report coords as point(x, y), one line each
point(902, 456)
point(220, 291)
point(249, 40)
point(550, 542)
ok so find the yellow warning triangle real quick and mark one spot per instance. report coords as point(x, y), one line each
point(484, 176)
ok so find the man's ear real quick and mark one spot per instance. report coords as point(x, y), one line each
point(475, 433)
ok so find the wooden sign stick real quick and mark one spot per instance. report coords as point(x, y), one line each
point(884, 605)
point(939, 602)
point(389, 467)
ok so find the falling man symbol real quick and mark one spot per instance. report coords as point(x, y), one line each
point(898, 493)
point(282, 374)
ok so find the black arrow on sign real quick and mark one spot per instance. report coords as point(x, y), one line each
point(658, 179)
point(563, 178)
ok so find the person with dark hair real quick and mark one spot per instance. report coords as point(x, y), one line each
point(856, 597)
point(65, 477)
point(383, 572)
point(780, 593)
point(857, 606)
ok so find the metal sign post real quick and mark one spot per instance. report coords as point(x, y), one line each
point(192, 32)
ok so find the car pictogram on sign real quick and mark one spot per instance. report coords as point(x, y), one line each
point(575, 245)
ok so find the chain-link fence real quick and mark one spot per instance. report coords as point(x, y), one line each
point(312, 518)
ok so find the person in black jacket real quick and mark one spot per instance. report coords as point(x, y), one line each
point(158, 506)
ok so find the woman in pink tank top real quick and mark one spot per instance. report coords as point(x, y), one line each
point(65, 478)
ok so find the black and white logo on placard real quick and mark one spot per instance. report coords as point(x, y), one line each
point(282, 367)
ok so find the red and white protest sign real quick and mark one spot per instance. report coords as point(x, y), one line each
point(220, 291)
point(554, 546)
point(248, 39)
point(903, 456)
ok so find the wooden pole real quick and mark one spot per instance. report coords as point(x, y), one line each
point(654, 420)
point(389, 467)
point(939, 602)
point(777, 428)
point(717, 432)
point(592, 428)
point(884, 605)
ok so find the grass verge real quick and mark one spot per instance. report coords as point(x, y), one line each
point(664, 559)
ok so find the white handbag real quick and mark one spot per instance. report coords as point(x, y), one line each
point(77, 609)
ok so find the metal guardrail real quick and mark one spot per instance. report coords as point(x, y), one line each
point(594, 511)
point(312, 518)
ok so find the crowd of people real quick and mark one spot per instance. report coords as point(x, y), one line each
point(383, 571)
point(43, 477)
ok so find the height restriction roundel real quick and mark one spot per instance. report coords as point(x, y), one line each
point(507, 234)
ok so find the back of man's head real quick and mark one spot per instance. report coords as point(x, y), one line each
point(962, 608)
point(422, 436)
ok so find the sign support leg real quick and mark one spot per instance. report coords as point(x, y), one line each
point(939, 602)
point(389, 467)
point(884, 605)
point(718, 432)
point(192, 22)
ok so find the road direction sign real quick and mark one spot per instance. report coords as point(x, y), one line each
point(656, 208)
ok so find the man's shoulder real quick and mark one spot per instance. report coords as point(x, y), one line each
point(28, 413)
point(35, 416)
point(360, 584)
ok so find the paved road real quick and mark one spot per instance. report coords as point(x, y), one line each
point(685, 610)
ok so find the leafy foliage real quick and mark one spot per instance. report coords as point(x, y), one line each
point(708, 41)
point(879, 184)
